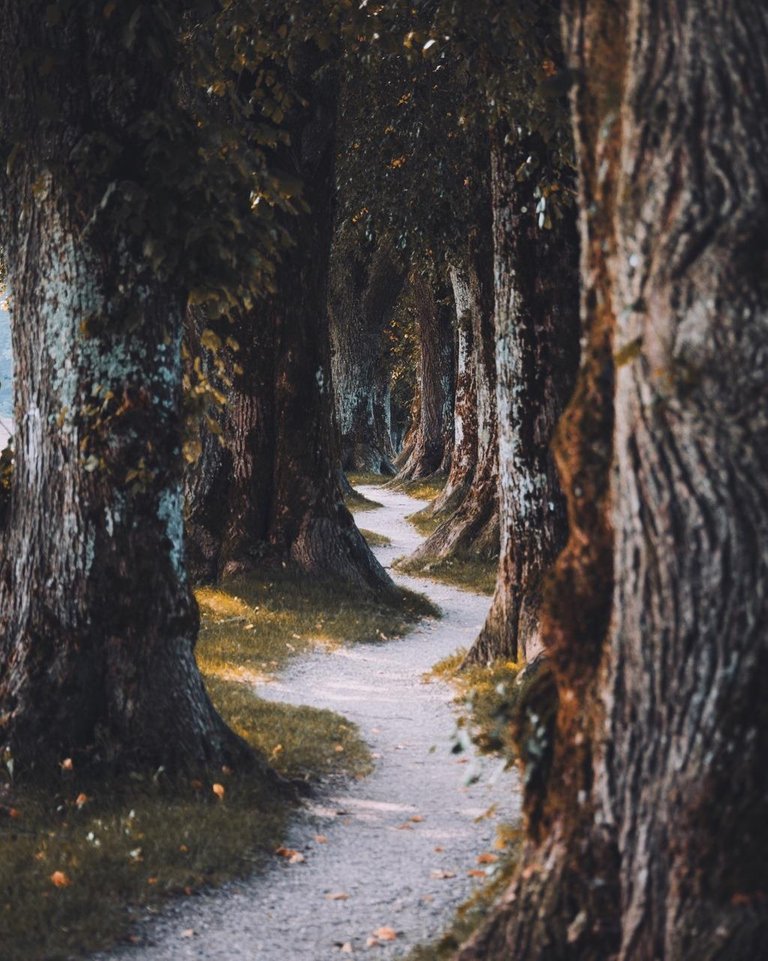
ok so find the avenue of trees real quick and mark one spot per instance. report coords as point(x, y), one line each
point(519, 247)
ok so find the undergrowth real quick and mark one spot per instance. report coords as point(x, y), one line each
point(376, 540)
point(79, 865)
point(467, 571)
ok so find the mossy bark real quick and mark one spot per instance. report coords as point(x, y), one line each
point(98, 622)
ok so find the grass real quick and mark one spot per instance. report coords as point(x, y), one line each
point(358, 504)
point(467, 571)
point(376, 540)
point(424, 522)
point(485, 696)
point(425, 489)
point(254, 623)
point(363, 477)
point(78, 866)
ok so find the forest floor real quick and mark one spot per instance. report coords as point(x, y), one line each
point(381, 864)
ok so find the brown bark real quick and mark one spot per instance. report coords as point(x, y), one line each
point(364, 292)
point(98, 622)
point(537, 327)
point(659, 789)
point(275, 489)
point(428, 450)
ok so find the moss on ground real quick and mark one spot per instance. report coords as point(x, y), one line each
point(78, 867)
point(376, 540)
point(468, 571)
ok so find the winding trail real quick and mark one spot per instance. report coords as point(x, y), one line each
point(408, 875)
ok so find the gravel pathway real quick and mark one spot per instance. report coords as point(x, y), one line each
point(396, 847)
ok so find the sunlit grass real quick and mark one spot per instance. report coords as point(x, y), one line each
point(78, 865)
point(470, 572)
point(358, 504)
point(376, 540)
point(425, 489)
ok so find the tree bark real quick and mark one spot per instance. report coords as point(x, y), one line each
point(431, 444)
point(469, 503)
point(364, 292)
point(537, 349)
point(98, 622)
point(274, 492)
point(658, 795)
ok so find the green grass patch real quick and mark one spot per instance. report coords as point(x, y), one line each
point(376, 540)
point(78, 866)
point(424, 522)
point(485, 697)
point(472, 573)
point(358, 504)
point(362, 477)
point(254, 623)
point(425, 489)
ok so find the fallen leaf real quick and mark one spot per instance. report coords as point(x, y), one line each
point(152, 880)
point(297, 858)
point(66, 764)
point(183, 848)
point(439, 849)
point(338, 748)
point(218, 790)
point(385, 934)
point(226, 769)
point(60, 880)
point(407, 826)
point(417, 819)
point(487, 858)
point(337, 896)
point(321, 839)
point(440, 875)
point(346, 948)
point(81, 800)
point(477, 873)
point(187, 933)
point(372, 943)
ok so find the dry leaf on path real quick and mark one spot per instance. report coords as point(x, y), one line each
point(417, 819)
point(337, 896)
point(487, 858)
point(60, 880)
point(321, 839)
point(293, 857)
point(187, 933)
point(477, 873)
point(385, 934)
point(440, 875)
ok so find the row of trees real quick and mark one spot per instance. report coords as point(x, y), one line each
point(241, 201)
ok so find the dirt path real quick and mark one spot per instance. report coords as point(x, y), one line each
point(390, 873)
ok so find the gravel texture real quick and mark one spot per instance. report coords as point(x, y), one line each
point(396, 847)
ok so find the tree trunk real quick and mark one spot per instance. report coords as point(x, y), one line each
point(659, 791)
point(430, 449)
point(469, 504)
point(364, 294)
point(98, 621)
point(537, 348)
point(275, 487)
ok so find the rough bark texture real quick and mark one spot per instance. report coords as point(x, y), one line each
point(364, 292)
point(428, 450)
point(275, 486)
point(537, 329)
point(659, 788)
point(469, 503)
point(98, 621)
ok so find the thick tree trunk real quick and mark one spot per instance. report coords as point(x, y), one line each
point(429, 450)
point(98, 622)
point(363, 296)
point(469, 504)
point(659, 792)
point(274, 489)
point(537, 348)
